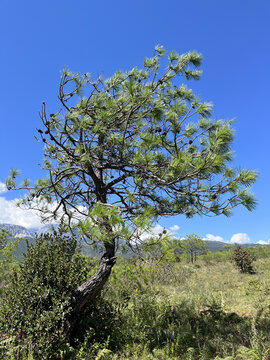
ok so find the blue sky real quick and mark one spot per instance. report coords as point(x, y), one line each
point(38, 38)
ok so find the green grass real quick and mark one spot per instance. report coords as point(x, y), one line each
point(204, 311)
point(199, 312)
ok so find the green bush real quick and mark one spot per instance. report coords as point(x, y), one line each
point(243, 260)
point(7, 258)
point(33, 302)
point(213, 258)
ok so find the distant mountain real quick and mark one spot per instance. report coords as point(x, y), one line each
point(20, 232)
point(42, 230)
point(215, 246)
point(29, 235)
point(17, 231)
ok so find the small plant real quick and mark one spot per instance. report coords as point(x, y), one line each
point(243, 260)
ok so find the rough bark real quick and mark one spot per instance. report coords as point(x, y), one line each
point(91, 288)
point(86, 292)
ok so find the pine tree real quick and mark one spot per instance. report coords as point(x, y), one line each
point(135, 147)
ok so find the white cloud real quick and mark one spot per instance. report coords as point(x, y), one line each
point(213, 237)
point(174, 228)
point(157, 229)
point(11, 214)
point(3, 188)
point(154, 232)
point(30, 218)
point(240, 238)
point(262, 242)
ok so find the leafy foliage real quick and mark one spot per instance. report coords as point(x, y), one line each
point(193, 245)
point(243, 260)
point(7, 258)
point(136, 146)
point(33, 302)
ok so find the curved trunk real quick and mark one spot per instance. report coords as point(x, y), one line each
point(89, 289)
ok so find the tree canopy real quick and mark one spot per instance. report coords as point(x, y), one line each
point(124, 151)
point(193, 245)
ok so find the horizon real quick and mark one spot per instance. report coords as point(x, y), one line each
point(155, 231)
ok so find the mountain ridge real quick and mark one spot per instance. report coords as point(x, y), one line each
point(18, 231)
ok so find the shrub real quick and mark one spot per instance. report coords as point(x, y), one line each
point(243, 260)
point(32, 304)
point(7, 258)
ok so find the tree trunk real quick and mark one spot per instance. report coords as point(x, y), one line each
point(89, 289)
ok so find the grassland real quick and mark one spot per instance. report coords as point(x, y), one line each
point(177, 310)
point(203, 311)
